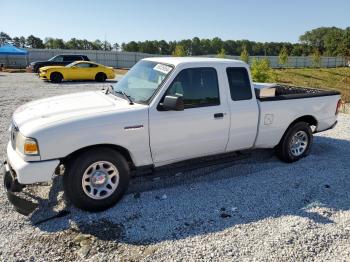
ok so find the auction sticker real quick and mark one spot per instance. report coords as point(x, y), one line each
point(162, 68)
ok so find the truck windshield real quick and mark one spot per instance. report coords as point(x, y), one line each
point(143, 79)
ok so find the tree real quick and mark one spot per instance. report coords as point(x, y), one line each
point(245, 55)
point(196, 46)
point(179, 51)
point(283, 57)
point(130, 47)
point(116, 46)
point(34, 42)
point(261, 70)
point(221, 54)
point(316, 58)
point(107, 46)
point(4, 38)
point(22, 41)
point(216, 45)
point(97, 45)
point(163, 47)
point(54, 43)
point(16, 41)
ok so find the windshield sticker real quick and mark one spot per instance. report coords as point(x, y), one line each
point(162, 68)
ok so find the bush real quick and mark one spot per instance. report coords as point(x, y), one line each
point(221, 54)
point(245, 55)
point(283, 57)
point(316, 59)
point(261, 70)
point(179, 51)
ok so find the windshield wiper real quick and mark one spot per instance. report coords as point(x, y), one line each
point(108, 89)
point(127, 97)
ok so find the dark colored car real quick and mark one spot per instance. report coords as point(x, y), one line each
point(57, 61)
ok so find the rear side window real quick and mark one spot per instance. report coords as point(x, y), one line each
point(83, 65)
point(70, 58)
point(198, 86)
point(239, 82)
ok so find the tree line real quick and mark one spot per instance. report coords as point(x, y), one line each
point(327, 41)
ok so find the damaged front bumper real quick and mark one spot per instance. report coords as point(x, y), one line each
point(13, 188)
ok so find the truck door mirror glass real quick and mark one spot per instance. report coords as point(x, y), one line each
point(175, 103)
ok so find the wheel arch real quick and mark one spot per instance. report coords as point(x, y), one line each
point(311, 120)
point(100, 73)
point(55, 72)
point(122, 150)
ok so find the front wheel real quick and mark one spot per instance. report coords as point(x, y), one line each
point(96, 179)
point(56, 77)
point(296, 143)
point(100, 77)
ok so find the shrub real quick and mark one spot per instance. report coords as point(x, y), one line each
point(316, 59)
point(245, 55)
point(179, 51)
point(283, 57)
point(221, 54)
point(261, 70)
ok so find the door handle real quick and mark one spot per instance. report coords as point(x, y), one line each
point(219, 115)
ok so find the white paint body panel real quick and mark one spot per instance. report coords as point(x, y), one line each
point(30, 172)
point(65, 124)
point(284, 112)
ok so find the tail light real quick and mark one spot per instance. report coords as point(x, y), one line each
point(338, 107)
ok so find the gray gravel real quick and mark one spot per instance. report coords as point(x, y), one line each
point(255, 208)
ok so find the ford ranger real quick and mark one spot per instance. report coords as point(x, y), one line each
point(164, 110)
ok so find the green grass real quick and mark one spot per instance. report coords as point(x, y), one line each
point(324, 78)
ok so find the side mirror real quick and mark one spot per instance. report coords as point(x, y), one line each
point(175, 103)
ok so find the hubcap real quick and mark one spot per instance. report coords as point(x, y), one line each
point(299, 143)
point(100, 180)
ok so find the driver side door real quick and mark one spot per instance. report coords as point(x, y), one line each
point(200, 129)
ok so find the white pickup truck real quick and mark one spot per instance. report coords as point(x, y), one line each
point(164, 110)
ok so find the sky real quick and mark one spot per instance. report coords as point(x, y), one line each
point(138, 20)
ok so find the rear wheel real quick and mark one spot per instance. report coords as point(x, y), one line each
point(296, 143)
point(96, 179)
point(56, 77)
point(101, 77)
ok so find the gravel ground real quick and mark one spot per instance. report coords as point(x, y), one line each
point(253, 208)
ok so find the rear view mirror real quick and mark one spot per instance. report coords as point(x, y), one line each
point(175, 103)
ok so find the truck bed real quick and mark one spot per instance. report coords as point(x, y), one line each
point(285, 92)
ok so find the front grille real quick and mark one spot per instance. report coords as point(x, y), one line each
point(14, 131)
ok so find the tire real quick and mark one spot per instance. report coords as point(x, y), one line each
point(101, 77)
point(84, 195)
point(289, 150)
point(56, 77)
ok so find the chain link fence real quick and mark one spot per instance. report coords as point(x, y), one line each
point(128, 59)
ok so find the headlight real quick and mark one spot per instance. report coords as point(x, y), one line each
point(27, 146)
point(43, 71)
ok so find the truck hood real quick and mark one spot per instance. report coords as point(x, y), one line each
point(45, 112)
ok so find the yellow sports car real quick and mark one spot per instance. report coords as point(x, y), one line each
point(79, 70)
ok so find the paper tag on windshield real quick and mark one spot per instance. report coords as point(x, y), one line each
point(162, 68)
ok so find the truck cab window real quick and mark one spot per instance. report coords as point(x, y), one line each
point(239, 82)
point(198, 86)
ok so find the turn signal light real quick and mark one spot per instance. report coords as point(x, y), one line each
point(30, 147)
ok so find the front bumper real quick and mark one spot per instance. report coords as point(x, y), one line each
point(43, 75)
point(21, 204)
point(30, 172)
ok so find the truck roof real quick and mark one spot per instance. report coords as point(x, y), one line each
point(195, 60)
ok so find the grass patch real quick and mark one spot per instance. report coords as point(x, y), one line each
point(323, 78)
